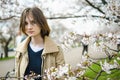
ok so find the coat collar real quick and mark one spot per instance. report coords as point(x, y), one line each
point(49, 46)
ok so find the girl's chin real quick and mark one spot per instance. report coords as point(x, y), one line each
point(31, 35)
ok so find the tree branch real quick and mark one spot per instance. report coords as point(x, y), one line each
point(94, 6)
point(62, 17)
point(77, 16)
point(4, 19)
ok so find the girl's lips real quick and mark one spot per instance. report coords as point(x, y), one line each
point(30, 32)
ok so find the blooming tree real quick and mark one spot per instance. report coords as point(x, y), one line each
point(103, 12)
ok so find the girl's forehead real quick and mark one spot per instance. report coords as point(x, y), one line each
point(29, 17)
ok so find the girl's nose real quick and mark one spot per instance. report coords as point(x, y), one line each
point(30, 26)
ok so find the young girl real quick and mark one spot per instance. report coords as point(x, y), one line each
point(38, 51)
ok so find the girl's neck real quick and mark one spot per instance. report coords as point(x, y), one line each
point(37, 41)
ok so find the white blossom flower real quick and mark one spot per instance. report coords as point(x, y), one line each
point(107, 66)
point(63, 70)
point(84, 62)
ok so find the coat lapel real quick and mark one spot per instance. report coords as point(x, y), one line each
point(49, 46)
point(22, 47)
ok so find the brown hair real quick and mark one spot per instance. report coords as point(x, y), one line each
point(38, 17)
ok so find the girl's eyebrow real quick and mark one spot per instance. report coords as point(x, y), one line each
point(25, 21)
point(33, 20)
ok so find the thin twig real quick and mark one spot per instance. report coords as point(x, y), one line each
point(98, 75)
point(96, 63)
point(92, 69)
point(94, 6)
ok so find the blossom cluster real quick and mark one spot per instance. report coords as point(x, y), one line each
point(67, 72)
point(106, 66)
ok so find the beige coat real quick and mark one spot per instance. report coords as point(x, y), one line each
point(52, 56)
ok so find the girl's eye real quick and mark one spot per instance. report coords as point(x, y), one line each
point(26, 23)
point(33, 22)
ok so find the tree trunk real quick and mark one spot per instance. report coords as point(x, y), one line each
point(6, 46)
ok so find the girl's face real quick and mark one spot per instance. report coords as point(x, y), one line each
point(32, 28)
